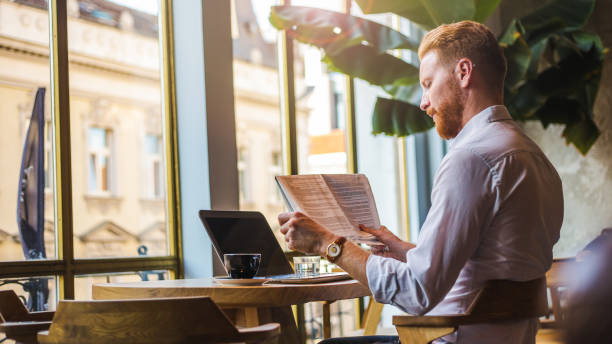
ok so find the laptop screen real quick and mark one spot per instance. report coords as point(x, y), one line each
point(246, 232)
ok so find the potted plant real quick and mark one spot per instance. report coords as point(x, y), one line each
point(554, 66)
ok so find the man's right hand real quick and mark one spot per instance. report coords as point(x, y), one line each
point(393, 246)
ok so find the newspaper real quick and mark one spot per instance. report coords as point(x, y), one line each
point(339, 202)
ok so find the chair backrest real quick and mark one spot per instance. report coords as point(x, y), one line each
point(505, 300)
point(499, 300)
point(11, 307)
point(557, 281)
point(172, 320)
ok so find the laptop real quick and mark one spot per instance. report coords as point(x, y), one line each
point(249, 232)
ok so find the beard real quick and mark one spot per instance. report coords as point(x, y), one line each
point(448, 116)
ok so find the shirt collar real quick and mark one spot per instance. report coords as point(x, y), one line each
point(493, 113)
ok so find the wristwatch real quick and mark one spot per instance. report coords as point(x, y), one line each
point(334, 249)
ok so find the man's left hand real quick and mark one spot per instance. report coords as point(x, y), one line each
point(304, 234)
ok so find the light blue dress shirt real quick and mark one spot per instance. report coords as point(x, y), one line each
point(497, 209)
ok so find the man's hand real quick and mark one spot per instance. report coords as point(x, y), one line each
point(304, 234)
point(393, 246)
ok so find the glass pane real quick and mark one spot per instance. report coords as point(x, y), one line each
point(83, 283)
point(258, 121)
point(24, 67)
point(38, 293)
point(321, 113)
point(152, 144)
point(97, 138)
point(116, 122)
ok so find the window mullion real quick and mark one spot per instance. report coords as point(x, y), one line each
point(351, 122)
point(288, 112)
point(60, 112)
point(170, 133)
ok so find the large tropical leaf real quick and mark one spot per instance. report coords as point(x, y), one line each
point(394, 117)
point(518, 55)
point(334, 31)
point(564, 92)
point(365, 63)
point(430, 13)
point(581, 134)
point(412, 10)
point(484, 8)
point(446, 12)
point(407, 93)
point(556, 17)
point(580, 130)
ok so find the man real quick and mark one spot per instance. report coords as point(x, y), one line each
point(497, 202)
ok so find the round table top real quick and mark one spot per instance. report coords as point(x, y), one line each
point(230, 295)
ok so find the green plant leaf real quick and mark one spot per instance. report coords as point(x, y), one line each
point(430, 13)
point(406, 93)
point(581, 134)
point(446, 12)
point(564, 91)
point(586, 41)
point(580, 130)
point(518, 58)
point(570, 74)
point(537, 50)
point(394, 117)
point(560, 110)
point(556, 17)
point(364, 62)
point(484, 8)
point(412, 10)
point(334, 31)
point(525, 102)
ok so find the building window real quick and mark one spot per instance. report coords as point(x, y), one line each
point(275, 169)
point(99, 159)
point(243, 174)
point(153, 176)
point(338, 102)
point(48, 156)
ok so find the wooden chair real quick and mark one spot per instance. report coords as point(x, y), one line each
point(499, 300)
point(557, 282)
point(17, 322)
point(163, 320)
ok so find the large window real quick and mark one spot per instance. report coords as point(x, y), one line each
point(105, 145)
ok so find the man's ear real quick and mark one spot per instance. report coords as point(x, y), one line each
point(464, 71)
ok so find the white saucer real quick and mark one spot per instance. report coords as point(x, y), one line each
point(225, 280)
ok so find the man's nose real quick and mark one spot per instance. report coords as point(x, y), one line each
point(424, 103)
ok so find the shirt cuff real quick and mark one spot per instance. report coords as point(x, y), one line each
point(381, 279)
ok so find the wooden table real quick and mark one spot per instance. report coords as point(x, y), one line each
point(246, 305)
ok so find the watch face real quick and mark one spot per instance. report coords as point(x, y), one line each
point(333, 250)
